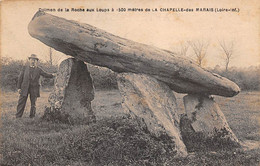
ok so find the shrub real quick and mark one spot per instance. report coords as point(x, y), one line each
point(103, 78)
point(10, 70)
point(246, 78)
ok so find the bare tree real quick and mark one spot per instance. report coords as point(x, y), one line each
point(199, 48)
point(183, 49)
point(52, 57)
point(228, 50)
point(51, 60)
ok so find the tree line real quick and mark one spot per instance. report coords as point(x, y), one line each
point(103, 78)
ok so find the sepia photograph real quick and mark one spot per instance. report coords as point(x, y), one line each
point(110, 82)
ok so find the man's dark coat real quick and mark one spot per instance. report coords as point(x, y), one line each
point(24, 80)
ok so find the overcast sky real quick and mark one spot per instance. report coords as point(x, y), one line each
point(161, 29)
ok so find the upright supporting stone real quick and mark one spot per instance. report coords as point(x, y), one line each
point(153, 104)
point(73, 93)
point(205, 126)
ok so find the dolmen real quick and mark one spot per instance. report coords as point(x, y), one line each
point(147, 77)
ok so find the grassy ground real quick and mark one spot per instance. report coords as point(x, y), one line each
point(117, 141)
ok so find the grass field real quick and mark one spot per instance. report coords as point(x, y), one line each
point(113, 140)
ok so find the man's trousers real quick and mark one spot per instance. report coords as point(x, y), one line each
point(22, 102)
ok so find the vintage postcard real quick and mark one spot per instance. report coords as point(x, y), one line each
point(130, 82)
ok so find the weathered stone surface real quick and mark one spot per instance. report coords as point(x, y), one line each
point(73, 91)
point(205, 125)
point(95, 46)
point(153, 104)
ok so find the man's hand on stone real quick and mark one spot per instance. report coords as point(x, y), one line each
point(19, 91)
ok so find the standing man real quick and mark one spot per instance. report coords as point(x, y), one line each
point(28, 83)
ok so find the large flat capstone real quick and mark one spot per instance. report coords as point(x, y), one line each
point(98, 47)
point(153, 104)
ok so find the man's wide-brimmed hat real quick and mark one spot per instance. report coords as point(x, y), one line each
point(33, 56)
